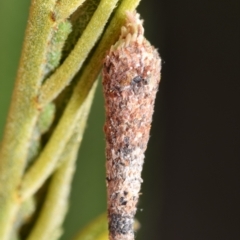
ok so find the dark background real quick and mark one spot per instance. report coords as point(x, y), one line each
point(191, 188)
point(191, 172)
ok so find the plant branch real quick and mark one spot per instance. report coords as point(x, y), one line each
point(58, 193)
point(64, 8)
point(23, 111)
point(109, 38)
point(30, 97)
point(47, 161)
point(64, 74)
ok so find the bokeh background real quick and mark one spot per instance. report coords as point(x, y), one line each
point(191, 172)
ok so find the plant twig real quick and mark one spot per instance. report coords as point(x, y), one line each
point(64, 74)
point(64, 8)
point(29, 97)
point(47, 161)
point(110, 37)
point(23, 111)
point(58, 193)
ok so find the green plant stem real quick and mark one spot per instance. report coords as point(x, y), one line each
point(26, 104)
point(64, 8)
point(46, 163)
point(64, 74)
point(55, 206)
point(110, 36)
point(23, 111)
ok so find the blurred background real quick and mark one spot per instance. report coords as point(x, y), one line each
point(191, 172)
